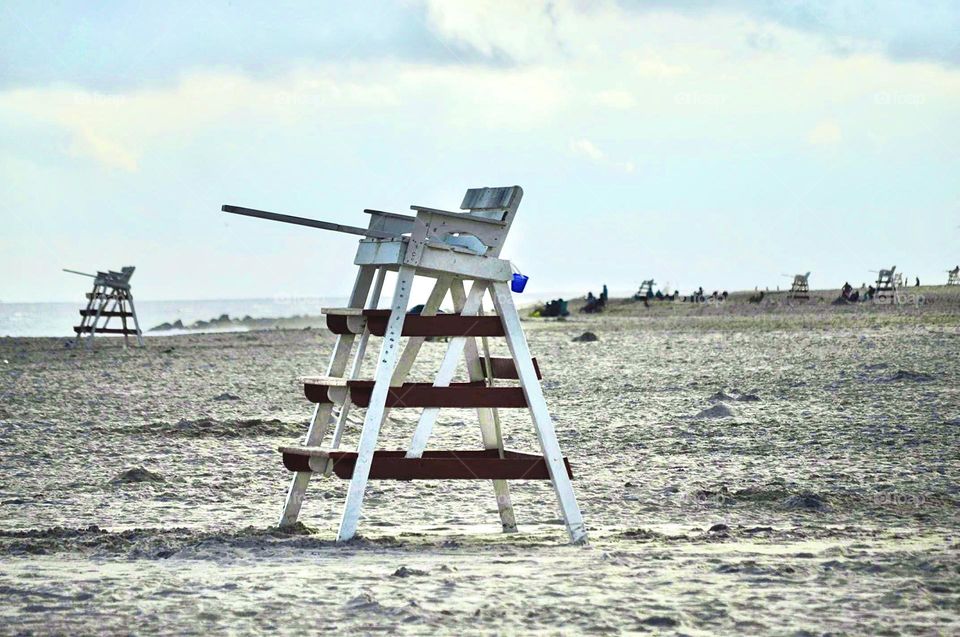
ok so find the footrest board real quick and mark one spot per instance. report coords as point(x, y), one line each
point(106, 313)
point(416, 325)
point(462, 395)
point(433, 465)
point(103, 330)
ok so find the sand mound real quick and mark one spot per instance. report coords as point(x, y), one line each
point(735, 396)
point(717, 411)
point(906, 375)
point(806, 501)
point(137, 474)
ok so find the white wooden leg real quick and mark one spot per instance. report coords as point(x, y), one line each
point(386, 364)
point(538, 411)
point(489, 429)
point(322, 412)
point(96, 318)
point(136, 321)
point(357, 365)
point(447, 369)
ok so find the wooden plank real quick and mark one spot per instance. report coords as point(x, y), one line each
point(422, 326)
point(439, 325)
point(457, 395)
point(102, 330)
point(473, 394)
point(470, 464)
point(504, 368)
point(105, 313)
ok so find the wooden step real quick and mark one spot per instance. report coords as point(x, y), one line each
point(103, 330)
point(505, 368)
point(350, 322)
point(473, 464)
point(106, 313)
point(465, 395)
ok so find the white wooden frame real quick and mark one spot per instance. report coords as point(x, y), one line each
point(423, 253)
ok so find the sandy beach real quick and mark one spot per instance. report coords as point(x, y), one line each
point(742, 468)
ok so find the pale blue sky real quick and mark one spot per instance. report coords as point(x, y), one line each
point(719, 143)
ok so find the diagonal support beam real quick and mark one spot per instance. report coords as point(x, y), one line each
point(386, 365)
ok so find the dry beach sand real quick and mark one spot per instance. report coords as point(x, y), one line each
point(743, 468)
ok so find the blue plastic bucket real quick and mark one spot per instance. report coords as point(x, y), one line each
point(519, 282)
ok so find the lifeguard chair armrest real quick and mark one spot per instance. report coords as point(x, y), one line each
point(459, 215)
point(384, 213)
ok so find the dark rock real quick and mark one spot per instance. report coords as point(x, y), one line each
point(226, 396)
point(719, 528)
point(659, 621)
point(586, 337)
point(403, 571)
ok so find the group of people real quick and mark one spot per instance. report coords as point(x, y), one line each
point(698, 296)
point(851, 295)
point(554, 308)
point(595, 303)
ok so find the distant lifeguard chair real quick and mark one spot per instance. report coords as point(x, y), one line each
point(800, 288)
point(452, 248)
point(646, 289)
point(886, 282)
point(953, 276)
point(111, 297)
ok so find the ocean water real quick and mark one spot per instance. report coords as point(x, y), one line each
point(58, 319)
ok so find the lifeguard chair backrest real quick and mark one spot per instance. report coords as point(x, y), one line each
point(498, 203)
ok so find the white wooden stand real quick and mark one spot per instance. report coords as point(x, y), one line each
point(110, 298)
point(460, 252)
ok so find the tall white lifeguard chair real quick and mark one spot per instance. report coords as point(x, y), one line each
point(454, 249)
point(110, 298)
point(953, 276)
point(886, 282)
point(800, 288)
point(646, 289)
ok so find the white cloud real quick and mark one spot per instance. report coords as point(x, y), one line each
point(654, 66)
point(87, 143)
point(621, 100)
point(826, 133)
point(585, 148)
